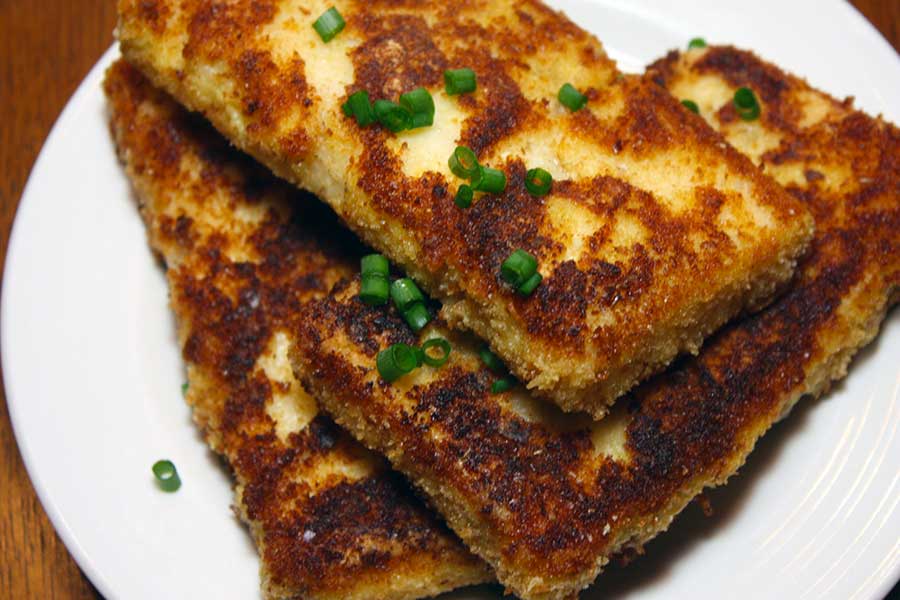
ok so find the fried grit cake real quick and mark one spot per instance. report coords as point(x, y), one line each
point(241, 251)
point(645, 197)
point(546, 498)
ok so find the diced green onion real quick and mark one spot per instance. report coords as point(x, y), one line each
point(329, 24)
point(502, 385)
point(691, 106)
point(518, 268)
point(697, 43)
point(166, 475)
point(746, 104)
point(373, 290)
point(491, 360)
point(571, 98)
point(538, 182)
point(374, 283)
point(374, 264)
point(464, 163)
point(184, 389)
point(420, 105)
point(392, 115)
point(405, 293)
point(530, 284)
point(459, 81)
point(420, 356)
point(417, 317)
point(492, 181)
point(359, 107)
point(464, 196)
point(440, 343)
point(395, 362)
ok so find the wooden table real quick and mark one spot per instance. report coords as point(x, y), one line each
point(46, 48)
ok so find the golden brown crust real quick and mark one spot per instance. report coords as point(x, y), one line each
point(242, 253)
point(640, 204)
point(547, 498)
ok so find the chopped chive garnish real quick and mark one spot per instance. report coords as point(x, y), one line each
point(459, 81)
point(392, 115)
point(518, 268)
point(374, 285)
point(441, 344)
point(697, 43)
point(405, 293)
point(373, 290)
point(395, 362)
point(491, 360)
point(530, 284)
point(538, 182)
point(329, 24)
point(464, 163)
point(571, 98)
point(166, 475)
point(492, 181)
point(691, 106)
point(359, 107)
point(464, 196)
point(420, 105)
point(184, 388)
point(420, 356)
point(746, 104)
point(374, 264)
point(416, 316)
point(502, 385)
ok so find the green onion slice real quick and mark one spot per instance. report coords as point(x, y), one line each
point(464, 196)
point(746, 104)
point(691, 106)
point(420, 105)
point(530, 284)
point(464, 163)
point(329, 24)
point(571, 98)
point(416, 316)
point(459, 81)
point(518, 268)
point(166, 475)
point(538, 182)
point(405, 293)
point(392, 115)
point(492, 181)
point(697, 43)
point(184, 388)
point(359, 107)
point(396, 361)
point(374, 290)
point(374, 264)
point(502, 385)
point(491, 360)
point(441, 344)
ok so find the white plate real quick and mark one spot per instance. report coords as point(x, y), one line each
point(93, 373)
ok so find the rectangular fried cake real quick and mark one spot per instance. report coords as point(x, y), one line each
point(644, 198)
point(241, 251)
point(547, 497)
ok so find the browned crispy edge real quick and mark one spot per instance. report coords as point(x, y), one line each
point(496, 477)
point(371, 538)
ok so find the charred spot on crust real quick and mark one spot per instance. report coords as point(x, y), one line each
point(155, 14)
point(329, 537)
point(397, 56)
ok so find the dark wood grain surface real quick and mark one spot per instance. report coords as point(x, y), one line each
point(46, 48)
